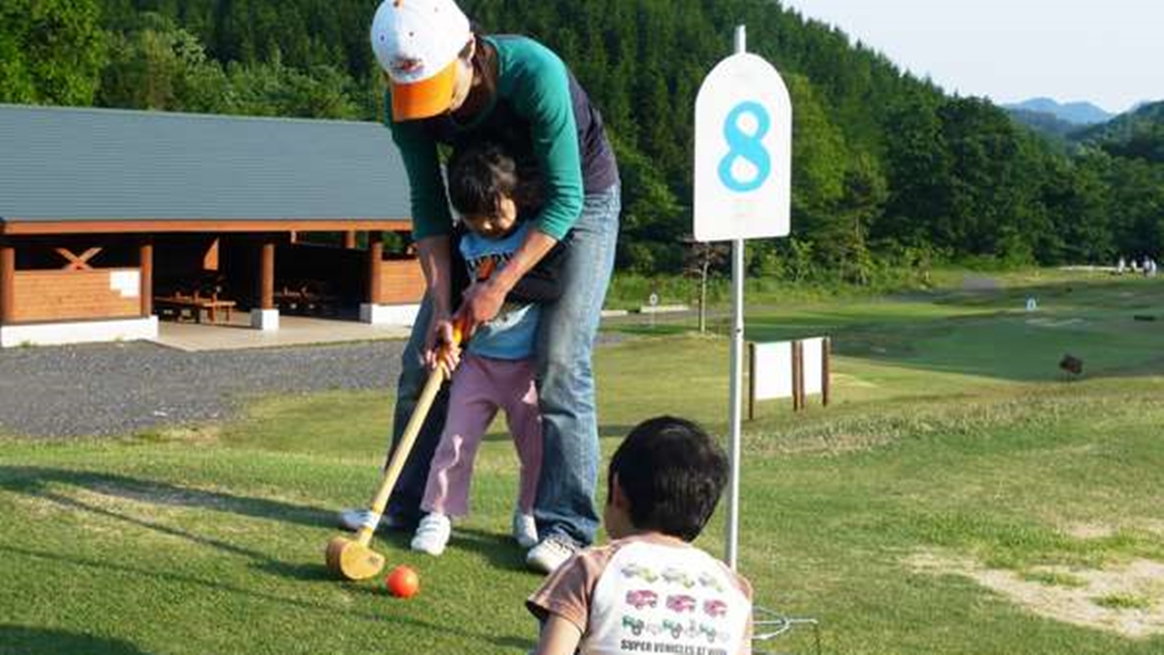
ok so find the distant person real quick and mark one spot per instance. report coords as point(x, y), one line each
point(448, 85)
point(497, 369)
point(650, 590)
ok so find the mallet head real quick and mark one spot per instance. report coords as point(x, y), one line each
point(353, 560)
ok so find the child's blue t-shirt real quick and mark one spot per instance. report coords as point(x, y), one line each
point(511, 334)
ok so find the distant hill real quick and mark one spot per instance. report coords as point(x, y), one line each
point(1137, 134)
point(1078, 113)
point(1043, 122)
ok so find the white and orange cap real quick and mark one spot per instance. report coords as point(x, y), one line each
point(417, 43)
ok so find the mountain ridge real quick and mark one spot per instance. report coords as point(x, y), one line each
point(1077, 113)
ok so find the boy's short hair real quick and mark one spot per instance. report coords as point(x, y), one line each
point(480, 174)
point(672, 475)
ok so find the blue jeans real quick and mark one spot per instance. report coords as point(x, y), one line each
point(566, 331)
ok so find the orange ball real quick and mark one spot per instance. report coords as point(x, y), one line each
point(402, 582)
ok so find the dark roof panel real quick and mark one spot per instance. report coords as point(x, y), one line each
point(99, 164)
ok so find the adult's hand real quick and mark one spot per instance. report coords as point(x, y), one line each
point(440, 347)
point(482, 302)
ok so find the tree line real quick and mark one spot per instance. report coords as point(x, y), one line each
point(889, 171)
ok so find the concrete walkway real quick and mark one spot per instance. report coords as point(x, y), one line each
point(293, 331)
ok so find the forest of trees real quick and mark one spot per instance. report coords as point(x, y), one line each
point(889, 171)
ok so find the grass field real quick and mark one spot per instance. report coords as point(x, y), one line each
point(960, 496)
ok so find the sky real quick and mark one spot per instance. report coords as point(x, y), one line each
point(1108, 52)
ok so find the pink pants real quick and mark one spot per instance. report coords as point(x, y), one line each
point(480, 387)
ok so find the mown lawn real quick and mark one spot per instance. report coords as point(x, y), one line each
point(955, 451)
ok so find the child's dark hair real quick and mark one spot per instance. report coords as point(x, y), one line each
point(480, 174)
point(672, 475)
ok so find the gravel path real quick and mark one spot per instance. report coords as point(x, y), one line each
point(116, 389)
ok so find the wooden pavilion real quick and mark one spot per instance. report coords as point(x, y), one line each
point(109, 217)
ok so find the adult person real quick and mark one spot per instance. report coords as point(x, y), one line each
point(448, 85)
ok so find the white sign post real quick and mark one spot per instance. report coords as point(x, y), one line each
point(743, 190)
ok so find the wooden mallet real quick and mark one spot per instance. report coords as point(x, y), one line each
point(354, 559)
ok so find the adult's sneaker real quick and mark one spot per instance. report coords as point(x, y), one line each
point(432, 535)
point(353, 519)
point(525, 529)
point(550, 553)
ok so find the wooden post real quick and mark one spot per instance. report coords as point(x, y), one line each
point(375, 267)
point(801, 397)
point(267, 275)
point(146, 283)
point(751, 380)
point(350, 239)
point(800, 381)
point(825, 366)
point(7, 282)
point(293, 237)
point(796, 363)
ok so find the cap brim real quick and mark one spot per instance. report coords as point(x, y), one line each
point(426, 98)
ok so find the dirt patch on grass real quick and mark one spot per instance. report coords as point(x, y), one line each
point(1127, 600)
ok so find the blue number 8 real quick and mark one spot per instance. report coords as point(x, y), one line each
point(747, 146)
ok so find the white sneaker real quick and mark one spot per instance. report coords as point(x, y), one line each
point(552, 552)
point(353, 519)
point(525, 529)
point(432, 535)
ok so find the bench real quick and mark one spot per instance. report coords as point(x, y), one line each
point(191, 306)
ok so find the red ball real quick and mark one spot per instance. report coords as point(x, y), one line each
point(402, 582)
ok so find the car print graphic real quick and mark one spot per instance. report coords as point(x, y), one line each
point(641, 598)
point(680, 603)
point(714, 608)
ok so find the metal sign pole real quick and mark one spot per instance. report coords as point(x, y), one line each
point(737, 358)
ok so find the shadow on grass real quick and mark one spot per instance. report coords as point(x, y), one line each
point(33, 481)
point(325, 608)
point(17, 639)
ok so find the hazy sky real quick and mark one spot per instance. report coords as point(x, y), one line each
point(1109, 52)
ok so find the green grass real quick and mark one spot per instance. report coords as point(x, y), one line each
point(1124, 601)
point(952, 433)
point(1054, 578)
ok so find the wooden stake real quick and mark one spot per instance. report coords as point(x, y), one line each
point(796, 364)
point(350, 239)
point(825, 369)
point(751, 381)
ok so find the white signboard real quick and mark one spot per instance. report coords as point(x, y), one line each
point(813, 368)
point(772, 368)
point(743, 152)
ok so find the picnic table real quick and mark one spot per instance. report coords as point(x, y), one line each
point(190, 306)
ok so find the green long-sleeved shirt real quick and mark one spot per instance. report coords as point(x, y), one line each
point(533, 113)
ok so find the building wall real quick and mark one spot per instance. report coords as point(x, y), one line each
point(56, 295)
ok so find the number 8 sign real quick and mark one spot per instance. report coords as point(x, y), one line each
point(743, 152)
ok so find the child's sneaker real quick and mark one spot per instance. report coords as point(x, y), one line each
point(432, 535)
point(525, 530)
